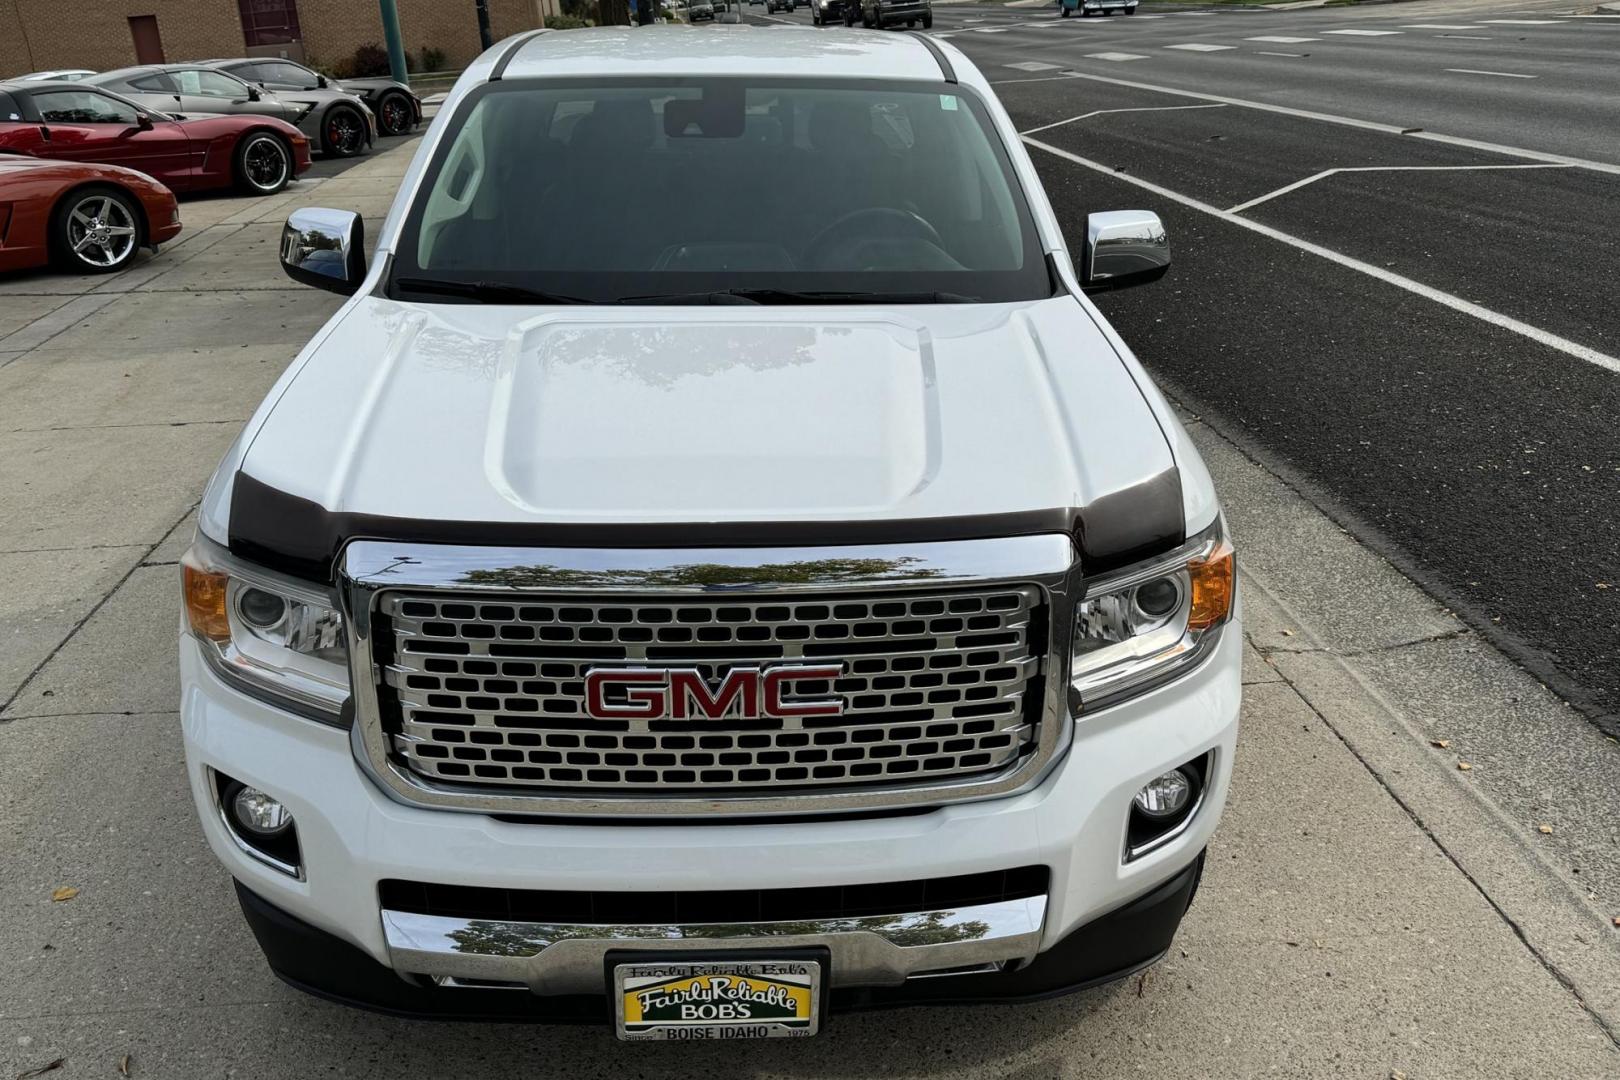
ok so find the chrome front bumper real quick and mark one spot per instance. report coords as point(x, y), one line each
point(877, 950)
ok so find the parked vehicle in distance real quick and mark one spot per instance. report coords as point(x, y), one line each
point(336, 123)
point(79, 216)
point(819, 596)
point(700, 9)
point(879, 14)
point(774, 6)
point(79, 122)
point(65, 75)
point(395, 105)
point(1088, 8)
point(826, 12)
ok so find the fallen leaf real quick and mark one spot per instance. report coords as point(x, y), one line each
point(123, 1065)
point(1397, 1075)
point(66, 892)
point(1617, 920)
point(1545, 830)
point(1464, 766)
point(1288, 633)
point(1440, 744)
point(1141, 984)
point(43, 1069)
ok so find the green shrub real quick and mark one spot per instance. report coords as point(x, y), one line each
point(368, 61)
point(565, 22)
point(432, 59)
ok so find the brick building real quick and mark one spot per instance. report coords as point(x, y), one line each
point(105, 34)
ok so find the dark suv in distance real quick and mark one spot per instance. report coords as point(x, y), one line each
point(826, 12)
point(882, 13)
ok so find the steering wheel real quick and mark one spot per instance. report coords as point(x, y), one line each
point(861, 225)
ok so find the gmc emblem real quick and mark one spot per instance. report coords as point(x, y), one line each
point(745, 693)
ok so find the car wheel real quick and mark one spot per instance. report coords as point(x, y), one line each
point(263, 163)
point(343, 131)
point(1065, 13)
point(911, 24)
point(394, 114)
point(95, 230)
point(928, 20)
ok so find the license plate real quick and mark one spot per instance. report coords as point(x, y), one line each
point(760, 998)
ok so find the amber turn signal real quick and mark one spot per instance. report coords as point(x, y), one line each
point(205, 602)
point(1213, 581)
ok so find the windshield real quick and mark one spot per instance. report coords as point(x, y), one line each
point(615, 192)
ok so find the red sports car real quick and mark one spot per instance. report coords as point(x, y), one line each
point(75, 122)
point(89, 218)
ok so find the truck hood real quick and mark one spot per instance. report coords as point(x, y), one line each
point(488, 414)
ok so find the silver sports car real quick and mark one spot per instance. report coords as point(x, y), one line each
point(396, 107)
point(336, 122)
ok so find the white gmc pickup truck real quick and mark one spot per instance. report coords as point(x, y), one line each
point(717, 568)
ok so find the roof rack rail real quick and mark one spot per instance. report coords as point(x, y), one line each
point(511, 51)
point(933, 46)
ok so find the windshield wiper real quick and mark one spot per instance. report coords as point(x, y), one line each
point(789, 296)
point(494, 292)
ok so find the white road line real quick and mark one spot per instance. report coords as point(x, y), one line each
point(1295, 55)
point(1363, 33)
point(1033, 65)
point(1523, 22)
point(1200, 47)
point(1100, 112)
point(1400, 281)
point(1325, 173)
point(1116, 57)
point(1498, 74)
point(1442, 26)
point(1365, 125)
point(1276, 40)
point(1467, 37)
point(1037, 78)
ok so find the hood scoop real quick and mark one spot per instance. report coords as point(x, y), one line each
point(718, 417)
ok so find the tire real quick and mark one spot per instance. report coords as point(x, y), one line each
point(911, 24)
point(1065, 13)
point(85, 213)
point(394, 114)
point(928, 20)
point(343, 131)
point(255, 163)
point(867, 20)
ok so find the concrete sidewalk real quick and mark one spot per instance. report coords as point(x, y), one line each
point(1370, 909)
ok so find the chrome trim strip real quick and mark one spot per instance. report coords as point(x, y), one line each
point(374, 565)
point(368, 567)
point(875, 950)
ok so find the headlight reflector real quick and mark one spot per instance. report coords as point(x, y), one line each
point(1140, 625)
point(276, 638)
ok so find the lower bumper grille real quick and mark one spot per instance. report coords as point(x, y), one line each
point(731, 906)
point(492, 690)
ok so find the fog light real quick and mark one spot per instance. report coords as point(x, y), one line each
point(259, 814)
point(1165, 796)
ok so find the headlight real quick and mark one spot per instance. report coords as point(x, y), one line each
point(275, 638)
point(1140, 626)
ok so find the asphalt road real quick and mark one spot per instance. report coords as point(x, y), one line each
point(1426, 345)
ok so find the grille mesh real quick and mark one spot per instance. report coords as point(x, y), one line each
point(491, 691)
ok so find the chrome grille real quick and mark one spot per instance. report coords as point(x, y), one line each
point(488, 689)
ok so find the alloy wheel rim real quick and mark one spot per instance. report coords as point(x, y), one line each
point(265, 163)
point(101, 231)
point(342, 133)
point(393, 115)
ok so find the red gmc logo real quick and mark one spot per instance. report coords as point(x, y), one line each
point(746, 693)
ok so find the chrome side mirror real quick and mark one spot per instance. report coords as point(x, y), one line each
point(1123, 248)
point(325, 248)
